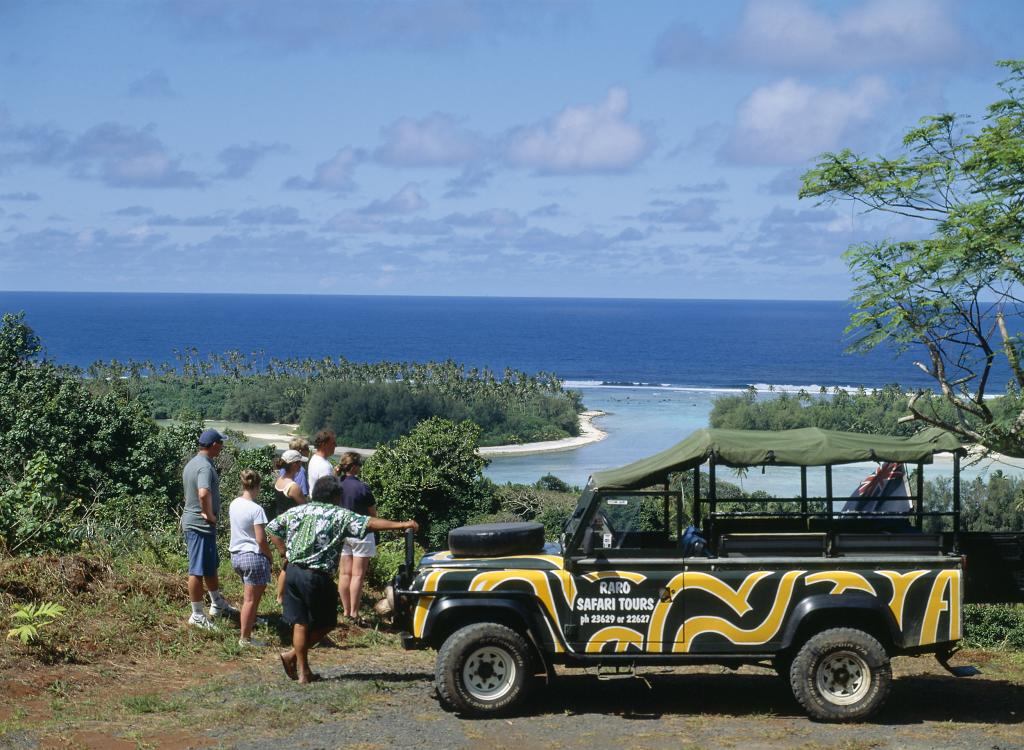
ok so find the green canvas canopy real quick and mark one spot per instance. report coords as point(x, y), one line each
point(809, 446)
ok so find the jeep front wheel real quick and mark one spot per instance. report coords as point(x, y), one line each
point(841, 674)
point(483, 669)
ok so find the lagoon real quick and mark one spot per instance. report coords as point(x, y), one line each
point(641, 421)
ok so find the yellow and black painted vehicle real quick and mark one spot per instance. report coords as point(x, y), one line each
point(823, 590)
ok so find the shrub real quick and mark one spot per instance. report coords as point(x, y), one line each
point(35, 515)
point(433, 475)
point(384, 566)
point(521, 502)
point(551, 483)
point(994, 625)
point(31, 618)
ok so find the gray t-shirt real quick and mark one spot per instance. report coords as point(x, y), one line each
point(199, 474)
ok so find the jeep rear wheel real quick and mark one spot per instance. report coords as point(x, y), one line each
point(841, 674)
point(483, 669)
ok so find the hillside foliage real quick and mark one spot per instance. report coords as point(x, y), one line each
point(364, 403)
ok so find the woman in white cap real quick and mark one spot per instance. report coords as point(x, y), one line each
point(287, 493)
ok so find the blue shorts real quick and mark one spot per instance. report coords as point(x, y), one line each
point(202, 553)
point(252, 566)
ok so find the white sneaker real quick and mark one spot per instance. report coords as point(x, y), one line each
point(226, 611)
point(201, 622)
point(252, 643)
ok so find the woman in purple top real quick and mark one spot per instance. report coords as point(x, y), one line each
point(356, 553)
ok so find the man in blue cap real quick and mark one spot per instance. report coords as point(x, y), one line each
point(199, 522)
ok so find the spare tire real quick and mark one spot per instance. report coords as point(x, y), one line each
point(496, 539)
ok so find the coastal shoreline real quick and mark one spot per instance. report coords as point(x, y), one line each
point(589, 433)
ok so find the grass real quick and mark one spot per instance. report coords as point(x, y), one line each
point(14, 723)
point(150, 704)
point(123, 638)
point(121, 658)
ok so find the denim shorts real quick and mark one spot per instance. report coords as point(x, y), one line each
point(203, 559)
point(252, 566)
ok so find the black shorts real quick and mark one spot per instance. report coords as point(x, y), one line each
point(310, 598)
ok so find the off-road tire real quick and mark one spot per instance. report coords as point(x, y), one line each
point(484, 669)
point(842, 674)
point(495, 539)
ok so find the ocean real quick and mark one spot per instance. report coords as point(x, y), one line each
point(655, 366)
point(688, 343)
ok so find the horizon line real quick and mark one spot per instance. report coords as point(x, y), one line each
point(426, 296)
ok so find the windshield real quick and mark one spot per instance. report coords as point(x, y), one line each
point(637, 521)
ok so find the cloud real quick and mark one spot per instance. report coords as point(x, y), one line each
point(469, 182)
point(579, 139)
point(154, 85)
point(239, 160)
point(217, 219)
point(20, 196)
point(495, 218)
point(718, 186)
point(786, 182)
point(77, 259)
point(39, 144)
point(351, 222)
point(588, 240)
point(334, 175)
point(406, 201)
point(795, 35)
point(694, 215)
point(268, 25)
point(789, 236)
point(684, 44)
point(118, 155)
point(549, 210)
point(436, 140)
point(122, 156)
point(277, 215)
point(134, 211)
point(789, 121)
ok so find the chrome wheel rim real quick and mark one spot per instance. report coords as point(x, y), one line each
point(843, 678)
point(489, 673)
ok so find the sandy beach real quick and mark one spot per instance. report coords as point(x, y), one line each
point(278, 435)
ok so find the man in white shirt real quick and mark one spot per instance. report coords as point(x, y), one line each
point(325, 442)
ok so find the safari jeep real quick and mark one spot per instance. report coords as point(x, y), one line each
point(824, 590)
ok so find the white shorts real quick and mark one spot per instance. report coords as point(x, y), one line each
point(360, 547)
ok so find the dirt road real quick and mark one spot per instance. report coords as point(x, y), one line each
point(377, 696)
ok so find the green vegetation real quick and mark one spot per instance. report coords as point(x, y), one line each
point(874, 412)
point(955, 296)
point(91, 472)
point(995, 505)
point(433, 475)
point(31, 618)
point(364, 403)
point(995, 626)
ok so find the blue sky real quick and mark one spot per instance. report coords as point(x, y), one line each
point(532, 148)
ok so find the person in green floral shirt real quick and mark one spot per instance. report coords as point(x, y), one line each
point(310, 538)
